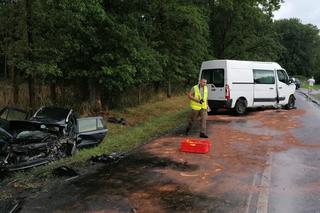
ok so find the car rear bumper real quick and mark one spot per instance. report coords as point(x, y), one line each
point(220, 104)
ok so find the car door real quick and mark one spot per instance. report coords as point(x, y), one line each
point(265, 92)
point(283, 86)
point(90, 131)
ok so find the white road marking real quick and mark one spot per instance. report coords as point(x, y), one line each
point(254, 182)
point(263, 198)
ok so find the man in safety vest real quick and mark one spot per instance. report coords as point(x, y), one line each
point(198, 96)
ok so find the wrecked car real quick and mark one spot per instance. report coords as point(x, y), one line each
point(50, 134)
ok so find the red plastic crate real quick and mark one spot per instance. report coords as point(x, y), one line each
point(195, 146)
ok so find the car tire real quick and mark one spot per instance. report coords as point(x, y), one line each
point(241, 107)
point(291, 103)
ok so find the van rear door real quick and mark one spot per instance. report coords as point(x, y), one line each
point(215, 82)
point(265, 92)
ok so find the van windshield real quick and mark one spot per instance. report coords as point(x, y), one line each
point(214, 76)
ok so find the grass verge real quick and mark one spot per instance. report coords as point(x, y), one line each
point(317, 96)
point(145, 122)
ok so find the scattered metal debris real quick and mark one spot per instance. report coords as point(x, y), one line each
point(11, 206)
point(108, 159)
point(134, 210)
point(64, 171)
point(4, 173)
point(117, 120)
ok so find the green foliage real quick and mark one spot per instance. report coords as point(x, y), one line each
point(107, 47)
point(243, 30)
point(301, 47)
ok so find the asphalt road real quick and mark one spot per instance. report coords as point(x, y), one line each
point(266, 161)
point(294, 184)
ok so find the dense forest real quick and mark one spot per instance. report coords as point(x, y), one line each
point(125, 51)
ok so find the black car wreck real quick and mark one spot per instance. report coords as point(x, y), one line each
point(50, 134)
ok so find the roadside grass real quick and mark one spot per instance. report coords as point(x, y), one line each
point(145, 122)
point(306, 86)
point(304, 83)
point(317, 96)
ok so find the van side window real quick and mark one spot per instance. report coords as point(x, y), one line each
point(214, 76)
point(263, 76)
point(282, 76)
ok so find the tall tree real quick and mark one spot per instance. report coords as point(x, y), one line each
point(301, 44)
point(181, 31)
point(243, 29)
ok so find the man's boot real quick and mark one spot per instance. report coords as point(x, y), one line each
point(187, 130)
point(203, 135)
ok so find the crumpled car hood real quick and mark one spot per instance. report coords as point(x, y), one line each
point(16, 127)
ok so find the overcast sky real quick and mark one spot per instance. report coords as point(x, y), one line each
point(308, 11)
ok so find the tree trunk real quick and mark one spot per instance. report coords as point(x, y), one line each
point(63, 92)
point(53, 92)
point(5, 67)
point(92, 92)
point(94, 96)
point(29, 56)
point(139, 95)
point(15, 85)
point(31, 93)
point(212, 25)
point(169, 89)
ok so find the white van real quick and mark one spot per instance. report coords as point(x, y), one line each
point(237, 85)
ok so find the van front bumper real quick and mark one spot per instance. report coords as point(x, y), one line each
point(217, 104)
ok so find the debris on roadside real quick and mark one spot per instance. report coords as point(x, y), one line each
point(108, 159)
point(134, 210)
point(183, 174)
point(117, 120)
point(11, 206)
point(63, 171)
point(4, 172)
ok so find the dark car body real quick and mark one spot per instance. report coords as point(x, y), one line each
point(297, 83)
point(54, 115)
point(30, 144)
point(50, 134)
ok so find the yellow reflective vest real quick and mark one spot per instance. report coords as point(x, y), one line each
point(197, 95)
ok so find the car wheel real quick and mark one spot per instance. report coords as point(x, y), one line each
point(291, 102)
point(240, 107)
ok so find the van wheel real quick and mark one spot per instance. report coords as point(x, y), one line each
point(241, 107)
point(291, 103)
